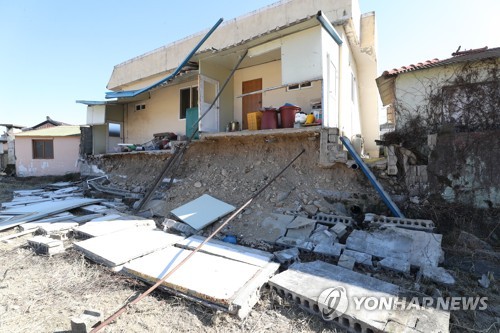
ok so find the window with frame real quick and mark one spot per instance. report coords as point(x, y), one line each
point(188, 99)
point(43, 149)
point(299, 86)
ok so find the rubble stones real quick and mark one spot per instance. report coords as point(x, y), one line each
point(437, 274)
point(347, 261)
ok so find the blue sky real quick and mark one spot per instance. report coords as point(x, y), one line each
point(54, 52)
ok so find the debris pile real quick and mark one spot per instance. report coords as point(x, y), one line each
point(227, 276)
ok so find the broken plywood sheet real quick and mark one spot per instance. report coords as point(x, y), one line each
point(41, 210)
point(120, 247)
point(227, 250)
point(99, 228)
point(305, 282)
point(202, 211)
point(210, 279)
point(418, 248)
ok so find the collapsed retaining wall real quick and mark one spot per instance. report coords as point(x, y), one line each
point(232, 167)
point(463, 168)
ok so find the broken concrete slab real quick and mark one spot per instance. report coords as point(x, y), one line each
point(275, 227)
point(339, 229)
point(323, 237)
point(42, 210)
point(306, 282)
point(120, 247)
point(346, 261)
point(212, 280)
point(49, 228)
point(334, 250)
point(437, 274)
point(360, 257)
point(417, 247)
point(300, 228)
point(294, 242)
point(227, 250)
point(287, 256)
point(99, 228)
point(86, 321)
point(398, 265)
point(202, 211)
point(173, 226)
point(45, 245)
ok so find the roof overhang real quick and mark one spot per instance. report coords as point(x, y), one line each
point(386, 89)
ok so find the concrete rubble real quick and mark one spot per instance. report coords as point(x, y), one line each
point(59, 217)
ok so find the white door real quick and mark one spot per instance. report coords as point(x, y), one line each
point(208, 90)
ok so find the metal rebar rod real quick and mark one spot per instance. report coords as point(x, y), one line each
point(179, 265)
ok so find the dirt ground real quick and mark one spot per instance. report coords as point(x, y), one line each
point(41, 294)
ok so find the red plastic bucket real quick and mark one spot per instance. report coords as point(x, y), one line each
point(269, 119)
point(288, 115)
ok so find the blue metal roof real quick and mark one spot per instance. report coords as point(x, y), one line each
point(132, 93)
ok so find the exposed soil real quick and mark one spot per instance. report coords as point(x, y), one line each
point(41, 294)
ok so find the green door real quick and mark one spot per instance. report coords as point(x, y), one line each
point(191, 119)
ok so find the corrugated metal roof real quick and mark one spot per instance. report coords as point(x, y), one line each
point(53, 131)
point(457, 57)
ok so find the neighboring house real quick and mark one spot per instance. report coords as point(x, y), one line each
point(292, 54)
point(447, 112)
point(461, 92)
point(50, 151)
point(49, 122)
point(7, 143)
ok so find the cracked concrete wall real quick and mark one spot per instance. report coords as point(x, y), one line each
point(463, 168)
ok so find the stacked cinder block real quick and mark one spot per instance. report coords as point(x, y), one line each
point(331, 151)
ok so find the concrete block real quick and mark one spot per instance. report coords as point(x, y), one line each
point(84, 323)
point(394, 264)
point(432, 141)
point(417, 247)
point(178, 227)
point(339, 229)
point(306, 283)
point(413, 224)
point(437, 274)
point(333, 219)
point(294, 242)
point(422, 174)
point(334, 250)
point(323, 237)
point(46, 245)
point(360, 257)
point(392, 170)
point(331, 147)
point(347, 261)
point(287, 256)
point(333, 131)
point(333, 138)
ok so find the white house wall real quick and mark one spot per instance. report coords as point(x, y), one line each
point(160, 115)
point(271, 77)
point(413, 88)
point(301, 56)
point(66, 150)
point(96, 114)
point(230, 33)
point(330, 53)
